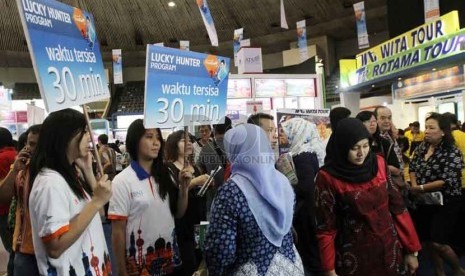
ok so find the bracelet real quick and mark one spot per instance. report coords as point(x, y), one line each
point(422, 188)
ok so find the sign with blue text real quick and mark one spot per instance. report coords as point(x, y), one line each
point(184, 88)
point(65, 53)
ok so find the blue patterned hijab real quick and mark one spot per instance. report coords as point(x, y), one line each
point(268, 192)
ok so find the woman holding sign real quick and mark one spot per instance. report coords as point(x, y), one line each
point(144, 240)
point(176, 151)
point(65, 200)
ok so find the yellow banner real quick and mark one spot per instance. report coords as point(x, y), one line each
point(347, 68)
point(445, 25)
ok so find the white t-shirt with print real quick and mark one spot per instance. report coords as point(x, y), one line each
point(150, 237)
point(52, 205)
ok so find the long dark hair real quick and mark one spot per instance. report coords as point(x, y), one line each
point(57, 131)
point(159, 171)
point(444, 125)
point(171, 148)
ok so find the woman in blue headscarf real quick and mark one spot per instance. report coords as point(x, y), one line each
point(251, 217)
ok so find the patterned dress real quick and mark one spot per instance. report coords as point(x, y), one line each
point(235, 244)
point(362, 228)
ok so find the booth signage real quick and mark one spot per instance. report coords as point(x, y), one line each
point(319, 117)
point(443, 26)
point(250, 60)
point(445, 80)
point(184, 88)
point(65, 52)
point(425, 44)
point(426, 53)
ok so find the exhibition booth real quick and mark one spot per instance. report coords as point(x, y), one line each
point(424, 68)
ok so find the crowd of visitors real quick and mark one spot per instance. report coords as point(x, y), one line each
point(364, 204)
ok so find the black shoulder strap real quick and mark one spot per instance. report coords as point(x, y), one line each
point(220, 154)
point(391, 147)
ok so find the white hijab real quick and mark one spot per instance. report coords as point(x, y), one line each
point(303, 137)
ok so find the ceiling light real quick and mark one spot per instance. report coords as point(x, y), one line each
point(171, 4)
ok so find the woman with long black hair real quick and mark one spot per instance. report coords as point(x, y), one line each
point(143, 236)
point(176, 154)
point(65, 200)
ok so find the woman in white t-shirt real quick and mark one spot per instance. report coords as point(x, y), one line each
point(65, 200)
point(143, 236)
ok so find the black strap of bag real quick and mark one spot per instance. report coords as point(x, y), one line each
point(221, 154)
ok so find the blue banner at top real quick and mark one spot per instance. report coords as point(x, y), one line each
point(65, 52)
point(184, 88)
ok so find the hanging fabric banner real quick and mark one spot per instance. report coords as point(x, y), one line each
point(238, 35)
point(184, 45)
point(117, 66)
point(431, 10)
point(302, 40)
point(360, 20)
point(208, 21)
point(283, 16)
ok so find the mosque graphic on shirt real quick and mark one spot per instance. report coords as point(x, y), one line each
point(93, 264)
point(159, 258)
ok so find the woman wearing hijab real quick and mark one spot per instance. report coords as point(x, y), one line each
point(251, 217)
point(307, 153)
point(363, 225)
point(303, 137)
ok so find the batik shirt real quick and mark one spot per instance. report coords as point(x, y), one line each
point(235, 245)
point(362, 228)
